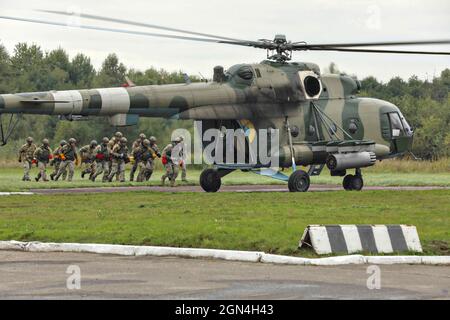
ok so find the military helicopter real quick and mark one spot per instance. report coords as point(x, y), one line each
point(321, 120)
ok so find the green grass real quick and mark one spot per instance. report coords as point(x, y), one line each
point(10, 179)
point(270, 222)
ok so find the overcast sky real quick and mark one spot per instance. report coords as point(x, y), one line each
point(313, 21)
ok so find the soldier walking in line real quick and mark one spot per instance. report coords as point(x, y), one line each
point(119, 155)
point(136, 148)
point(43, 154)
point(112, 142)
point(26, 154)
point(155, 149)
point(68, 157)
point(102, 158)
point(146, 161)
point(182, 159)
point(87, 154)
point(56, 161)
point(170, 160)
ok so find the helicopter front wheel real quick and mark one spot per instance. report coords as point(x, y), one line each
point(353, 182)
point(298, 181)
point(210, 180)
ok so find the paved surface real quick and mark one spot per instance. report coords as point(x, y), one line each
point(234, 188)
point(43, 276)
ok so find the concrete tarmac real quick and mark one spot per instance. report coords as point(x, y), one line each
point(29, 275)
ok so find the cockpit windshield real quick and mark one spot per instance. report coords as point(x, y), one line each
point(399, 125)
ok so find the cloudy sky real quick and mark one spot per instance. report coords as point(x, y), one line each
point(313, 21)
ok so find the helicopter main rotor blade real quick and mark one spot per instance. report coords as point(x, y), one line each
point(369, 44)
point(138, 24)
point(140, 33)
point(378, 51)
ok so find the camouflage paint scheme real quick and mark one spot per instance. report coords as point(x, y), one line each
point(264, 94)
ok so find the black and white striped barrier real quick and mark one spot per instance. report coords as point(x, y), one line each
point(326, 239)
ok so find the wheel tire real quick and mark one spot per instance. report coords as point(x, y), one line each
point(357, 183)
point(298, 181)
point(347, 182)
point(210, 180)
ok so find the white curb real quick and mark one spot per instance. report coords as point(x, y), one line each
point(234, 255)
point(16, 193)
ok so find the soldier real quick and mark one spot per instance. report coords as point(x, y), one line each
point(155, 148)
point(43, 154)
point(146, 161)
point(26, 153)
point(135, 151)
point(56, 161)
point(119, 155)
point(112, 142)
point(102, 158)
point(68, 157)
point(171, 162)
point(182, 159)
point(88, 157)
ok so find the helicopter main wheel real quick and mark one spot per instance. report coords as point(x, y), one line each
point(353, 182)
point(210, 180)
point(298, 181)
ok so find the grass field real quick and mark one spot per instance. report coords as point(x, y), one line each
point(271, 222)
point(10, 179)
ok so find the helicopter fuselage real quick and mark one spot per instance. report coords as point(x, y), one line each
point(267, 95)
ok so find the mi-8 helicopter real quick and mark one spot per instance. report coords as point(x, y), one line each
point(320, 119)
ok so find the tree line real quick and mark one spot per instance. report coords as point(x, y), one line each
point(425, 103)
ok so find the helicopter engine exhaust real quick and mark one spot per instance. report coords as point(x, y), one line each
point(342, 161)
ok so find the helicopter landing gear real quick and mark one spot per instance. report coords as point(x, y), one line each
point(211, 179)
point(298, 181)
point(353, 182)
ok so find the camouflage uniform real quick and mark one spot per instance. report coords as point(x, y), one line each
point(69, 155)
point(87, 154)
point(26, 153)
point(56, 162)
point(155, 148)
point(171, 165)
point(136, 150)
point(146, 161)
point(119, 155)
point(102, 159)
point(183, 160)
point(43, 155)
point(112, 142)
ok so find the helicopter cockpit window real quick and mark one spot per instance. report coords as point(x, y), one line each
point(396, 124)
point(245, 73)
point(408, 129)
